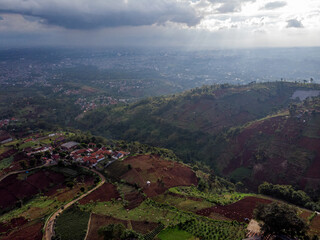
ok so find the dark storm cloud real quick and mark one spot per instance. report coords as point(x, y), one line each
point(229, 6)
point(274, 5)
point(82, 14)
point(294, 23)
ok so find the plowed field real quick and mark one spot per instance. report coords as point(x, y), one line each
point(237, 211)
point(162, 174)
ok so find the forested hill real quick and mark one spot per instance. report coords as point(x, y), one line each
point(197, 124)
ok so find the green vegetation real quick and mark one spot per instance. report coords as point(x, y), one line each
point(182, 203)
point(72, 224)
point(5, 163)
point(240, 174)
point(39, 202)
point(223, 198)
point(204, 124)
point(214, 229)
point(117, 232)
point(175, 234)
point(280, 219)
point(289, 194)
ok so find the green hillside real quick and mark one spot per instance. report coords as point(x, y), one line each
point(203, 124)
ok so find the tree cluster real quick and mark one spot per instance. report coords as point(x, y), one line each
point(289, 194)
point(280, 219)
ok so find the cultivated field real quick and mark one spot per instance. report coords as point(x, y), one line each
point(237, 211)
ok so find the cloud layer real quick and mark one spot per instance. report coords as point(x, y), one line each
point(195, 23)
point(83, 14)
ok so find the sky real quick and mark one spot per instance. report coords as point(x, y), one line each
point(188, 24)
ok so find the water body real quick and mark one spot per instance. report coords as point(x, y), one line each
point(303, 94)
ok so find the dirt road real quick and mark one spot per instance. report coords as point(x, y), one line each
point(25, 170)
point(49, 226)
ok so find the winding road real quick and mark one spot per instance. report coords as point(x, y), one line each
point(49, 226)
point(25, 170)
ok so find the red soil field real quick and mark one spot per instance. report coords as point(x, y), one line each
point(89, 180)
point(56, 178)
point(19, 157)
point(8, 180)
point(9, 226)
point(315, 225)
point(12, 189)
point(305, 214)
point(161, 173)
point(7, 154)
point(237, 211)
point(134, 199)
point(313, 145)
point(40, 179)
point(22, 189)
point(7, 198)
point(103, 194)
point(29, 231)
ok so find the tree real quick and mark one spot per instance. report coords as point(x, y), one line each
point(70, 184)
point(280, 219)
point(202, 185)
point(117, 232)
point(23, 164)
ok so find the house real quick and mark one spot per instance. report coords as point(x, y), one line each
point(69, 145)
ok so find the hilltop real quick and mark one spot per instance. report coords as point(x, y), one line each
point(204, 125)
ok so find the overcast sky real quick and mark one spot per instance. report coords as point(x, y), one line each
point(192, 24)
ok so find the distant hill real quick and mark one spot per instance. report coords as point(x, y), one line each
point(206, 124)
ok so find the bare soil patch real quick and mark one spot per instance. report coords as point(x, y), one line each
point(315, 225)
point(161, 174)
point(29, 231)
point(6, 227)
point(237, 211)
point(103, 194)
point(13, 188)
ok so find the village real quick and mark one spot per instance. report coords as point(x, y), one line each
point(50, 149)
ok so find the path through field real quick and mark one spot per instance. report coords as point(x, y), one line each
point(49, 226)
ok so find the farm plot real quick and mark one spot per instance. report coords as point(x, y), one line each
point(182, 202)
point(7, 227)
point(175, 234)
point(24, 186)
point(315, 226)
point(72, 224)
point(28, 231)
point(237, 211)
point(97, 221)
point(103, 194)
point(156, 175)
point(211, 230)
